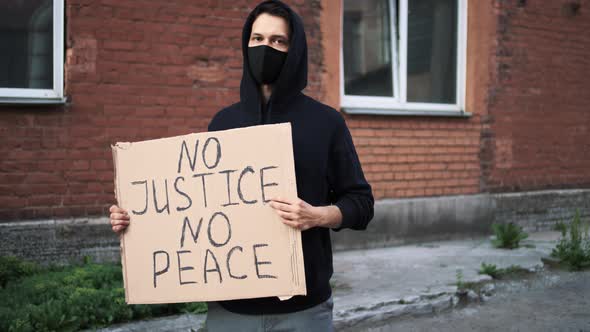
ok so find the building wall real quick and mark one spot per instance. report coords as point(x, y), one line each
point(537, 132)
point(416, 156)
point(140, 70)
point(527, 67)
point(135, 70)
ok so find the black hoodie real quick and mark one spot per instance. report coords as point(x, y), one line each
point(327, 167)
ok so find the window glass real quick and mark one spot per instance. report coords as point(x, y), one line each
point(366, 49)
point(26, 44)
point(432, 55)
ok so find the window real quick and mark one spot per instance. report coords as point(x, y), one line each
point(31, 51)
point(403, 56)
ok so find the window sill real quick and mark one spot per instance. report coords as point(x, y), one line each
point(406, 112)
point(32, 101)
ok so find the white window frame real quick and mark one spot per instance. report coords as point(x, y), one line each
point(43, 96)
point(398, 105)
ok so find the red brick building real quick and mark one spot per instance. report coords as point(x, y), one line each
point(463, 112)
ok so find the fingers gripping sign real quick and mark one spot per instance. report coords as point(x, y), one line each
point(297, 213)
point(119, 219)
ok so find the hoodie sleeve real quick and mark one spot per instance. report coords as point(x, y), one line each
point(351, 192)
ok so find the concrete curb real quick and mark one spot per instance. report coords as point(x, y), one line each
point(417, 306)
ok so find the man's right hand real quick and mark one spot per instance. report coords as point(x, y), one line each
point(119, 219)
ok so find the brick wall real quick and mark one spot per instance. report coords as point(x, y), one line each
point(409, 157)
point(537, 134)
point(135, 70)
point(140, 70)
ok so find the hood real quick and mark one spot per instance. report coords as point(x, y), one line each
point(293, 77)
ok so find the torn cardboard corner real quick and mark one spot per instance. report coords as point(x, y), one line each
point(201, 228)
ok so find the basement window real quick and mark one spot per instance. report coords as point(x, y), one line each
point(403, 57)
point(31, 51)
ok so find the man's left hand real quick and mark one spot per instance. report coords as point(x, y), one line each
point(303, 216)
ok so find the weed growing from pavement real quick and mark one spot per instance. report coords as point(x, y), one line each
point(489, 269)
point(460, 283)
point(573, 249)
point(508, 236)
point(496, 273)
point(560, 226)
point(463, 287)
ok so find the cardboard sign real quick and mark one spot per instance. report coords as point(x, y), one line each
point(201, 228)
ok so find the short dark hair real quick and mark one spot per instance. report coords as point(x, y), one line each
point(275, 9)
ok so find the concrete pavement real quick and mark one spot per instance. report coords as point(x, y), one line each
point(551, 300)
point(380, 284)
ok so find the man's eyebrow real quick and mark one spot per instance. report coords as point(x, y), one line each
point(272, 36)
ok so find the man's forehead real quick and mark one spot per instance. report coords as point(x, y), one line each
point(269, 25)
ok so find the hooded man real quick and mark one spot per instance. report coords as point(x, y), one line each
point(327, 168)
point(333, 193)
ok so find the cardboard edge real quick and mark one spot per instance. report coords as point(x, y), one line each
point(297, 264)
point(209, 299)
point(114, 149)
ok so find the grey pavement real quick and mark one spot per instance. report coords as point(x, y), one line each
point(547, 301)
point(376, 285)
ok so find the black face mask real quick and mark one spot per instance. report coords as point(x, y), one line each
point(265, 63)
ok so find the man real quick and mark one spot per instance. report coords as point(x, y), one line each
point(332, 190)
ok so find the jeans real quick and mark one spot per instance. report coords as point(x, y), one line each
point(314, 319)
